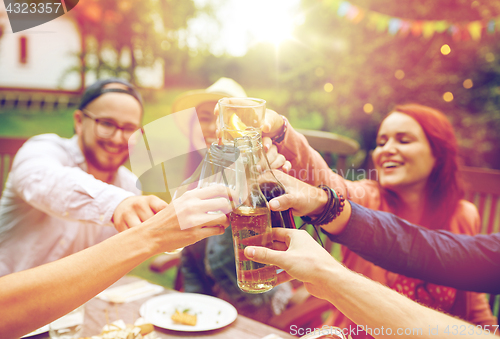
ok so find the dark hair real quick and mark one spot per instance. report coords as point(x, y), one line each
point(444, 186)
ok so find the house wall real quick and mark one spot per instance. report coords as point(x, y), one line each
point(52, 49)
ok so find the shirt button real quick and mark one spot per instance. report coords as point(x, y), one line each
point(101, 217)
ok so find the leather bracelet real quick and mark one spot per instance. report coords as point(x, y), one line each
point(334, 206)
point(280, 137)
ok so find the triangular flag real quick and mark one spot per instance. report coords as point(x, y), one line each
point(428, 29)
point(359, 17)
point(373, 19)
point(343, 8)
point(405, 28)
point(416, 28)
point(491, 26)
point(383, 22)
point(474, 29)
point(394, 26)
point(440, 26)
point(455, 32)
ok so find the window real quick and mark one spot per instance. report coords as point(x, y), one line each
point(23, 50)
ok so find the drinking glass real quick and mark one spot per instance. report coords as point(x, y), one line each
point(240, 116)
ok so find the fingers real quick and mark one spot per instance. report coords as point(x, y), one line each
point(262, 255)
point(272, 124)
point(157, 204)
point(208, 231)
point(267, 143)
point(287, 167)
point(283, 277)
point(214, 191)
point(282, 203)
point(133, 219)
point(220, 204)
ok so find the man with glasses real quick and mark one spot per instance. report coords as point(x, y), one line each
point(64, 195)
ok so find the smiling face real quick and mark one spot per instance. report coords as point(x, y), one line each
point(107, 154)
point(403, 156)
point(205, 112)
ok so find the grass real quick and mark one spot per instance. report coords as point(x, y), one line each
point(165, 279)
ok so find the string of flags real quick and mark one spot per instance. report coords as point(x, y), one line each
point(460, 31)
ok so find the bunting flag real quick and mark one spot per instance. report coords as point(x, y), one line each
point(419, 28)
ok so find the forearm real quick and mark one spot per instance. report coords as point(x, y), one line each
point(440, 257)
point(47, 292)
point(386, 312)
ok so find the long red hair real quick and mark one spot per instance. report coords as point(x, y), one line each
point(444, 187)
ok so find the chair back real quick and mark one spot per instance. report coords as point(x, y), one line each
point(330, 143)
point(482, 188)
point(8, 148)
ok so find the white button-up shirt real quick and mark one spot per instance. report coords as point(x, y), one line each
point(51, 207)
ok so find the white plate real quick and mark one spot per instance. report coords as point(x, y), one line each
point(42, 329)
point(212, 313)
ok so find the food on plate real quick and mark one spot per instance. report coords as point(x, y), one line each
point(184, 318)
point(119, 330)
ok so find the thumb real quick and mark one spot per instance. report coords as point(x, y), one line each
point(264, 255)
point(266, 127)
point(282, 203)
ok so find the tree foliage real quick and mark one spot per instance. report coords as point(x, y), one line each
point(366, 66)
point(120, 35)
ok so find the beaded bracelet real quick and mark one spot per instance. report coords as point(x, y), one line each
point(334, 206)
point(280, 137)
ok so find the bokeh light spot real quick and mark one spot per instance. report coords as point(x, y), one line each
point(448, 97)
point(490, 57)
point(399, 74)
point(468, 83)
point(328, 87)
point(368, 108)
point(445, 49)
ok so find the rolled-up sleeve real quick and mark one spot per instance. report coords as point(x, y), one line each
point(43, 177)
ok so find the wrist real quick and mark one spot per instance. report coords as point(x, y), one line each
point(320, 203)
point(333, 209)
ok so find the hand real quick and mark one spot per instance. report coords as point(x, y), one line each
point(301, 257)
point(272, 125)
point(186, 220)
point(276, 160)
point(134, 210)
point(302, 198)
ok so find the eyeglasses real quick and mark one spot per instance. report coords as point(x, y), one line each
point(106, 128)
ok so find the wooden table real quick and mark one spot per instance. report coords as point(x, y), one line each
point(97, 310)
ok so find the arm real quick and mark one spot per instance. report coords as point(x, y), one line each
point(40, 295)
point(367, 303)
point(43, 177)
point(470, 263)
point(465, 262)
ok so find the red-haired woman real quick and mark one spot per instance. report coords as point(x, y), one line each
point(418, 180)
